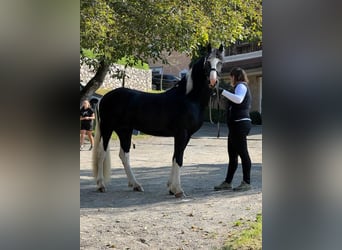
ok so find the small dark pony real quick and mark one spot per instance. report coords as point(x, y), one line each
point(177, 113)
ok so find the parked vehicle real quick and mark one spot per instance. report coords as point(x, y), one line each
point(164, 81)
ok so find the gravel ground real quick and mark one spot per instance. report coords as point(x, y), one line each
point(124, 219)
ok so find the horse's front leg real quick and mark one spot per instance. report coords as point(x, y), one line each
point(174, 182)
point(125, 137)
point(132, 182)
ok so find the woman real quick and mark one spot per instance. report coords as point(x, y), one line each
point(87, 117)
point(239, 124)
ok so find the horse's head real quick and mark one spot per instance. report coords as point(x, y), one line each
point(205, 71)
point(213, 64)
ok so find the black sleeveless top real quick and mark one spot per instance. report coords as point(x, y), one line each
point(239, 111)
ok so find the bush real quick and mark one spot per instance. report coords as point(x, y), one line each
point(256, 117)
point(216, 115)
point(221, 116)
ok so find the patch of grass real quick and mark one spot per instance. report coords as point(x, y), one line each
point(103, 91)
point(114, 136)
point(134, 137)
point(249, 237)
point(156, 91)
point(237, 223)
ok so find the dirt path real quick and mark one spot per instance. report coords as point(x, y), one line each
point(123, 219)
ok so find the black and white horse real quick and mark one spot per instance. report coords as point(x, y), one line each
point(176, 113)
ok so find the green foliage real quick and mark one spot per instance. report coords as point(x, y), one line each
point(89, 53)
point(111, 30)
point(146, 29)
point(221, 116)
point(216, 115)
point(130, 61)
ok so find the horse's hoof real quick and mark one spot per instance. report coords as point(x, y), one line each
point(180, 195)
point(101, 189)
point(171, 193)
point(138, 189)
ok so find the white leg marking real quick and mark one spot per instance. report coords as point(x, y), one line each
point(100, 178)
point(169, 182)
point(132, 182)
point(175, 186)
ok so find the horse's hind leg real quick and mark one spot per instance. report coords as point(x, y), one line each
point(125, 144)
point(103, 163)
point(100, 176)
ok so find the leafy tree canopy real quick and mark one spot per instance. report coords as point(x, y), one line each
point(114, 29)
point(111, 30)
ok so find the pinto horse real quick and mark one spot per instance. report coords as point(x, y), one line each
point(177, 113)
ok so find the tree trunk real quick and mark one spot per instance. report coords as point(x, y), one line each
point(123, 79)
point(94, 82)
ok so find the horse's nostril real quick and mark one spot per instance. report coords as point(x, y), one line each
point(212, 82)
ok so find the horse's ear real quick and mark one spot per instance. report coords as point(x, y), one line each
point(209, 48)
point(221, 48)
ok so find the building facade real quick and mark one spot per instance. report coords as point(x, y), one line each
point(178, 65)
point(245, 55)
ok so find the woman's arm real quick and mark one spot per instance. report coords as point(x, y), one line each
point(92, 117)
point(238, 96)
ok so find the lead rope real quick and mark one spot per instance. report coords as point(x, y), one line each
point(218, 108)
point(210, 107)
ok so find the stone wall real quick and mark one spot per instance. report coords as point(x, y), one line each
point(135, 78)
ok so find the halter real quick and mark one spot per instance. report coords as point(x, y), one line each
point(216, 91)
point(211, 69)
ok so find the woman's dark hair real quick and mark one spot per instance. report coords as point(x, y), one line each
point(239, 74)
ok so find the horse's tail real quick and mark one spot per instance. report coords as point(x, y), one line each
point(98, 150)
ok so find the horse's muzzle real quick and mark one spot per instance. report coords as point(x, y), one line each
point(213, 77)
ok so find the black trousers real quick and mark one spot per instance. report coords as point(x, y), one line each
point(237, 146)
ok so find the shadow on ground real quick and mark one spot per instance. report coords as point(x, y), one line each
point(197, 182)
point(211, 130)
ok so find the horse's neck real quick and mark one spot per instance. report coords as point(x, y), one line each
point(200, 95)
point(200, 89)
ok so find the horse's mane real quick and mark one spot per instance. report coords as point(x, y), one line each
point(200, 90)
point(198, 78)
point(180, 86)
point(197, 69)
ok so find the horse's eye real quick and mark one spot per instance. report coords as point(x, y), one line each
point(219, 66)
point(207, 66)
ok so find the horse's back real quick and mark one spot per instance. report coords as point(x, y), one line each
point(160, 114)
point(123, 106)
point(114, 103)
